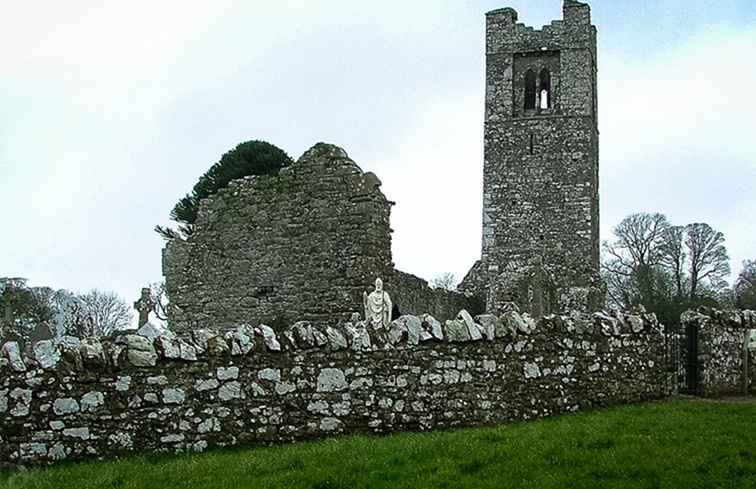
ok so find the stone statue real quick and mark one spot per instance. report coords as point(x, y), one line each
point(378, 306)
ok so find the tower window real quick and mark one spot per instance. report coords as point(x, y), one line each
point(545, 89)
point(530, 90)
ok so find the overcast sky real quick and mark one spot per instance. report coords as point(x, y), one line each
point(110, 111)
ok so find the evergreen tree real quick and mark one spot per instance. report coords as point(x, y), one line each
point(249, 158)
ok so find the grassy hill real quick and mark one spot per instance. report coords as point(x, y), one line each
point(683, 443)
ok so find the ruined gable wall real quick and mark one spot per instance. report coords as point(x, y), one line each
point(139, 395)
point(301, 245)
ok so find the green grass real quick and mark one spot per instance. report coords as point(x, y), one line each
point(677, 444)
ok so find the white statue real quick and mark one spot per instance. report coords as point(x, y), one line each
point(377, 306)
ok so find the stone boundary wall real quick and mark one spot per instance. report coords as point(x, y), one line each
point(721, 336)
point(136, 394)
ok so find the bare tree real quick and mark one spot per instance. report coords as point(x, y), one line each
point(709, 261)
point(104, 313)
point(666, 268)
point(159, 297)
point(633, 259)
point(673, 256)
point(637, 240)
point(446, 281)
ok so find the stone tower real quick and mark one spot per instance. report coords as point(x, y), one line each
point(540, 196)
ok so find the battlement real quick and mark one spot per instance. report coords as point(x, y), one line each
point(573, 31)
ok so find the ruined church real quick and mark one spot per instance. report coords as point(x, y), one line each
point(305, 244)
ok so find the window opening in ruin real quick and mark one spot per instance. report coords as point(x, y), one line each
point(530, 90)
point(545, 89)
point(531, 144)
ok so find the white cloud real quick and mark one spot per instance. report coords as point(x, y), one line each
point(677, 135)
point(111, 111)
point(435, 174)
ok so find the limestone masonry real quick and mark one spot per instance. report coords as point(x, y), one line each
point(714, 344)
point(301, 245)
point(166, 394)
point(540, 196)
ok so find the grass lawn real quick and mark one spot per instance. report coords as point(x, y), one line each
point(677, 444)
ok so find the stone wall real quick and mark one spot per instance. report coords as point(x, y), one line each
point(136, 394)
point(300, 245)
point(721, 337)
point(413, 295)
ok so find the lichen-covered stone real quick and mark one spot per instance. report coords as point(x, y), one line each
point(91, 401)
point(331, 380)
point(515, 323)
point(230, 373)
point(336, 339)
point(491, 326)
point(92, 352)
point(457, 332)
point(12, 353)
point(229, 391)
point(174, 396)
point(269, 338)
point(46, 354)
point(153, 331)
point(412, 326)
point(359, 339)
point(64, 406)
point(123, 383)
point(206, 385)
point(168, 347)
point(433, 327)
point(270, 374)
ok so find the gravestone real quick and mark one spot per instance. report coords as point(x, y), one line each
point(145, 306)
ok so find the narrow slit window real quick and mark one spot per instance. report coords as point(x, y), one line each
point(530, 90)
point(545, 89)
point(531, 144)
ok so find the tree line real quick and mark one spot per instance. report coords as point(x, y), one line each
point(669, 268)
point(33, 313)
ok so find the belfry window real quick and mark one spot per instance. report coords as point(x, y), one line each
point(530, 90)
point(545, 89)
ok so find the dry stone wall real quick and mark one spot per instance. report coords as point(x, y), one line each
point(135, 394)
point(721, 353)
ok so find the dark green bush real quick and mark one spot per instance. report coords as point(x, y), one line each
point(250, 158)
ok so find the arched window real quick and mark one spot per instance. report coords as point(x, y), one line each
point(530, 90)
point(545, 89)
